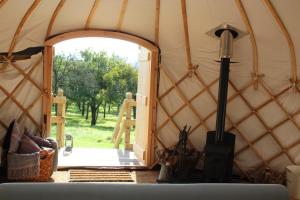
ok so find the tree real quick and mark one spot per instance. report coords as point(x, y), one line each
point(102, 98)
point(94, 79)
point(61, 66)
point(97, 65)
point(121, 78)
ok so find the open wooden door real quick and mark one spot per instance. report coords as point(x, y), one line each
point(142, 105)
point(147, 87)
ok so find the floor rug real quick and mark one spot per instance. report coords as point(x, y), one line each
point(79, 175)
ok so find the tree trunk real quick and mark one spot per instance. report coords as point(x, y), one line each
point(79, 105)
point(109, 108)
point(98, 110)
point(134, 112)
point(83, 109)
point(94, 114)
point(87, 111)
point(104, 110)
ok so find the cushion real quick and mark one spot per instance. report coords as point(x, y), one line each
point(7, 137)
point(5, 148)
point(15, 139)
point(28, 146)
point(38, 140)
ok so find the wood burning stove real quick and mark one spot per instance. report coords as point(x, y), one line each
point(219, 149)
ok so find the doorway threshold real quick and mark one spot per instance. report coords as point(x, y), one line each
point(98, 159)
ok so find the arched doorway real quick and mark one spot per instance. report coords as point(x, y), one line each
point(147, 88)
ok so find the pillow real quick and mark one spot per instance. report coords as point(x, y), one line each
point(28, 146)
point(5, 148)
point(16, 136)
point(7, 137)
point(38, 140)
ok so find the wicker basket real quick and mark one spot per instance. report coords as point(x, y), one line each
point(46, 166)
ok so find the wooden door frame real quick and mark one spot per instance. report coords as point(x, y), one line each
point(48, 62)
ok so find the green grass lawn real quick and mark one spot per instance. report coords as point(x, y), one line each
point(84, 135)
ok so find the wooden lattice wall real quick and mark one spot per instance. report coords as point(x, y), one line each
point(275, 144)
point(21, 92)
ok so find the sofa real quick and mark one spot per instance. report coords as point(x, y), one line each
point(96, 191)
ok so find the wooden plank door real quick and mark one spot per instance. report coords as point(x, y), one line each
point(142, 104)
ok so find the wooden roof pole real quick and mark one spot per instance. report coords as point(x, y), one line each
point(157, 14)
point(289, 41)
point(186, 37)
point(101, 33)
point(92, 13)
point(122, 14)
point(2, 2)
point(53, 17)
point(20, 26)
point(255, 74)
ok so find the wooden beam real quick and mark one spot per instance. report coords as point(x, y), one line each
point(20, 26)
point(157, 14)
point(53, 17)
point(122, 14)
point(246, 21)
point(57, 120)
point(186, 36)
point(60, 127)
point(92, 13)
point(47, 87)
point(2, 2)
point(59, 99)
point(287, 37)
point(150, 154)
point(101, 33)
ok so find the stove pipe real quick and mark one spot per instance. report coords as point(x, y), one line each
point(219, 148)
point(226, 44)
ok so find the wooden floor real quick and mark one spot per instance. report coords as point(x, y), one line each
point(98, 158)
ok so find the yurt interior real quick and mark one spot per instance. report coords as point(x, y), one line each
point(215, 113)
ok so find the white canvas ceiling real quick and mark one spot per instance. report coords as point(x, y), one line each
point(267, 125)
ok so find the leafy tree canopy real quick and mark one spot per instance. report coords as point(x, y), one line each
point(94, 79)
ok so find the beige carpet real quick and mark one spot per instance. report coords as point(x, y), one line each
point(80, 175)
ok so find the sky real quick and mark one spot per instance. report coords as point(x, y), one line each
point(121, 48)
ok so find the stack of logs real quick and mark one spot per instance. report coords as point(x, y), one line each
point(177, 164)
point(267, 176)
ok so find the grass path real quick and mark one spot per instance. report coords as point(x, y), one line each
point(84, 135)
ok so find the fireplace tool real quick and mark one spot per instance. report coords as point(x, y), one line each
point(219, 148)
